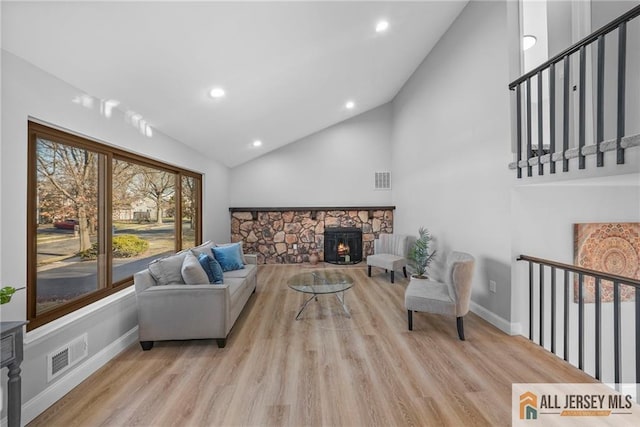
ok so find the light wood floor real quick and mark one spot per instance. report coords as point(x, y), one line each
point(323, 369)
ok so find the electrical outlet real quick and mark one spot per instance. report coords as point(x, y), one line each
point(492, 286)
point(295, 246)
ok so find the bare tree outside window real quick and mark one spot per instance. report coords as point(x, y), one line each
point(67, 193)
point(67, 178)
point(98, 215)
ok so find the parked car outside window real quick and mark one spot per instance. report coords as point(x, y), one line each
point(67, 224)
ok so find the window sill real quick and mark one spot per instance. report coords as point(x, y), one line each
point(51, 327)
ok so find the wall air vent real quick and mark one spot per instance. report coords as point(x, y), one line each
point(383, 181)
point(66, 356)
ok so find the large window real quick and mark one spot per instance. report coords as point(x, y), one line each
point(97, 215)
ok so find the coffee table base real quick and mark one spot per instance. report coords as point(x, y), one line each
point(315, 296)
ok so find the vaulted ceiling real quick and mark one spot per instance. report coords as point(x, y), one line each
point(287, 68)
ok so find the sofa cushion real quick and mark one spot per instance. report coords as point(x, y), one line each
point(168, 270)
point(204, 248)
point(236, 287)
point(244, 260)
point(192, 271)
point(212, 268)
point(229, 256)
point(240, 274)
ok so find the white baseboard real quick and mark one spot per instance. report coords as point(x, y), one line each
point(497, 321)
point(50, 395)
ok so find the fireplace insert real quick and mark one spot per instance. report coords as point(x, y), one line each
point(343, 245)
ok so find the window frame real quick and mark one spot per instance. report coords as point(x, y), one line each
point(108, 153)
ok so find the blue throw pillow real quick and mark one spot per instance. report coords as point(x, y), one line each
point(212, 268)
point(229, 256)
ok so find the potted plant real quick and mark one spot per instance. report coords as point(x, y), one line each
point(6, 293)
point(419, 255)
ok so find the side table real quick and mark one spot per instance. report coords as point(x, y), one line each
point(11, 349)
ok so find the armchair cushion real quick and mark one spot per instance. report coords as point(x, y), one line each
point(387, 261)
point(429, 296)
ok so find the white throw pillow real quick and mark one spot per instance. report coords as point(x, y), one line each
point(192, 271)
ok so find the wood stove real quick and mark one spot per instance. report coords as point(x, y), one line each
point(343, 245)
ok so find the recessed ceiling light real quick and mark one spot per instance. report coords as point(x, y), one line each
point(350, 105)
point(528, 41)
point(257, 143)
point(382, 26)
point(217, 92)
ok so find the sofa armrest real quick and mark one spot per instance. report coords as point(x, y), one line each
point(251, 259)
point(143, 280)
point(183, 312)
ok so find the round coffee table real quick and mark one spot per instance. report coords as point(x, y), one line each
point(321, 282)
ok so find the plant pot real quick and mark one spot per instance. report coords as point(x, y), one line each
point(313, 258)
point(413, 276)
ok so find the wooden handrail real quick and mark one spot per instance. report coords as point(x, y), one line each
point(586, 271)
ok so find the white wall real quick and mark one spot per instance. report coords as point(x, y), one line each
point(451, 139)
point(333, 167)
point(30, 92)
point(543, 218)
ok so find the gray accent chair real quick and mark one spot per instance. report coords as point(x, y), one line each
point(390, 253)
point(451, 296)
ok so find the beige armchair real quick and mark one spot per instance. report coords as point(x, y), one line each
point(390, 252)
point(450, 296)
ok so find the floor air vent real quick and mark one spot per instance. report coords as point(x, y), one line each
point(66, 356)
point(383, 181)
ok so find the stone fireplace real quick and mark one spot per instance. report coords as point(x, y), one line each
point(290, 235)
point(343, 245)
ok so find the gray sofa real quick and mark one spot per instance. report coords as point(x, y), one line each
point(178, 311)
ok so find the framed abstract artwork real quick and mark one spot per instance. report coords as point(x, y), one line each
point(610, 248)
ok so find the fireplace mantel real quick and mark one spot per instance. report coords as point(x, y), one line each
point(313, 209)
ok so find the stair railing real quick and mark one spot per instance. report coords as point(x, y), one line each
point(538, 290)
point(541, 155)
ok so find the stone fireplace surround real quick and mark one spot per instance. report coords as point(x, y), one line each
point(289, 235)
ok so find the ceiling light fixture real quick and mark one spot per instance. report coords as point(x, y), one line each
point(217, 92)
point(350, 105)
point(528, 41)
point(382, 26)
point(257, 143)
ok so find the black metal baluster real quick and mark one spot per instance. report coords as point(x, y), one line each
point(600, 103)
point(518, 129)
point(598, 330)
point(567, 327)
point(582, 106)
point(540, 128)
point(541, 308)
point(529, 169)
point(622, 65)
point(565, 114)
point(580, 322)
point(530, 301)
point(617, 353)
point(553, 310)
point(552, 117)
